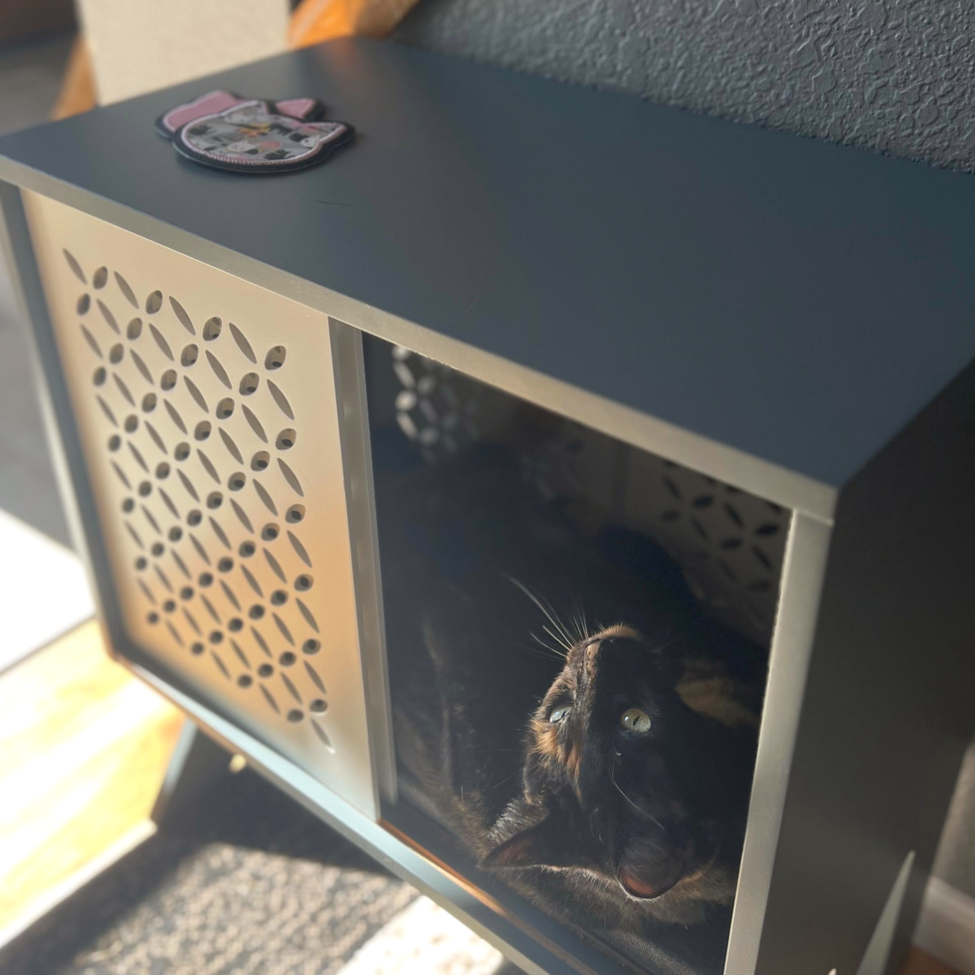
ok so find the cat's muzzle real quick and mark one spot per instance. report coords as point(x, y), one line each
point(646, 872)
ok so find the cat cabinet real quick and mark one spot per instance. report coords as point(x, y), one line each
point(355, 455)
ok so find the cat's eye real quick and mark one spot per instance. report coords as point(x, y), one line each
point(635, 720)
point(559, 714)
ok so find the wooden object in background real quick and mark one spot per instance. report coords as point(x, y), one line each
point(315, 21)
point(918, 963)
point(83, 749)
point(78, 92)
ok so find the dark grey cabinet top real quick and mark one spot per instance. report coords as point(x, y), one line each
point(794, 299)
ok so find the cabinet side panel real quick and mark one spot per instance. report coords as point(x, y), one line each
point(889, 702)
point(207, 415)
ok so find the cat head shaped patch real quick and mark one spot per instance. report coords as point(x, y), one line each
point(249, 135)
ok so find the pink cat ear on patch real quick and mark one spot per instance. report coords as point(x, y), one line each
point(208, 104)
point(300, 107)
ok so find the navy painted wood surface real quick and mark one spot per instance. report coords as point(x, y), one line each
point(791, 298)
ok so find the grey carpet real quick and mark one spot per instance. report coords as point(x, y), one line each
point(253, 885)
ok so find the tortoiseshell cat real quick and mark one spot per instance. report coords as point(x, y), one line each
point(605, 775)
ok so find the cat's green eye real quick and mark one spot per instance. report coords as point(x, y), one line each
point(635, 720)
point(559, 714)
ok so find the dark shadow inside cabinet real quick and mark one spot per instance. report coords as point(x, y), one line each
point(577, 634)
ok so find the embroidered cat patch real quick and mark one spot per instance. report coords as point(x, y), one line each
point(221, 129)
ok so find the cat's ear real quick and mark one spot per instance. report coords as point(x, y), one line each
point(545, 844)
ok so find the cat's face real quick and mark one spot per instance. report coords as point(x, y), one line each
point(621, 778)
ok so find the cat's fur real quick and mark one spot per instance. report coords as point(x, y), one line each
point(599, 826)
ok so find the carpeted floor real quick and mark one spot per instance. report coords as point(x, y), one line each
point(253, 886)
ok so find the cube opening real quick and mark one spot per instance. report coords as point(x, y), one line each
point(577, 634)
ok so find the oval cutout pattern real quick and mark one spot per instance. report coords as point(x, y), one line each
point(196, 394)
point(161, 342)
point(212, 329)
point(241, 515)
point(280, 399)
point(156, 439)
point(308, 615)
point(175, 417)
point(181, 316)
point(300, 549)
point(188, 484)
point(265, 497)
point(314, 677)
point(275, 566)
point(123, 389)
point(242, 343)
point(292, 690)
point(127, 292)
point(255, 424)
point(75, 266)
point(291, 478)
point(92, 342)
point(109, 317)
point(218, 370)
point(228, 442)
point(142, 367)
point(208, 466)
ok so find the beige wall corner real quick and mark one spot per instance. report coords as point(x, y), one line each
point(141, 45)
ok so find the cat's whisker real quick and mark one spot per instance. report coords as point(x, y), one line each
point(579, 622)
point(574, 625)
point(507, 778)
point(559, 625)
point(558, 653)
point(564, 636)
point(555, 637)
point(550, 614)
point(565, 631)
point(642, 812)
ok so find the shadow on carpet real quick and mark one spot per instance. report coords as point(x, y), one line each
point(253, 885)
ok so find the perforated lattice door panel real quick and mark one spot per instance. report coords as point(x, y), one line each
point(207, 414)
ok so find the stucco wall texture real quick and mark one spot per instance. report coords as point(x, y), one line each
point(896, 77)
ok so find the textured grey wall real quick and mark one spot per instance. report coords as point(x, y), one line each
point(896, 76)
